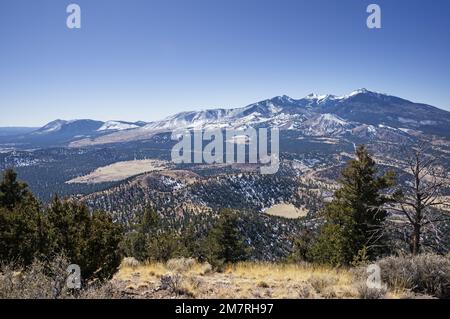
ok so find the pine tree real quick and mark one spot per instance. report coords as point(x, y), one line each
point(225, 243)
point(150, 241)
point(354, 219)
point(302, 244)
point(191, 242)
point(12, 192)
point(23, 228)
point(89, 240)
point(142, 231)
point(165, 246)
point(27, 231)
point(104, 256)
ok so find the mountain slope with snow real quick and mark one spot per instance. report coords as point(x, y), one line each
point(362, 113)
point(313, 115)
point(118, 126)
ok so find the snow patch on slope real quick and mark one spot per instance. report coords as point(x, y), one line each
point(116, 126)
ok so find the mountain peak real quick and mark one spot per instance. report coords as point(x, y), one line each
point(313, 96)
point(283, 98)
point(363, 91)
point(52, 126)
point(323, 97)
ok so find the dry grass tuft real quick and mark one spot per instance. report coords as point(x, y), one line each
point(180, 265)
point(130, 262)
point(364, 292)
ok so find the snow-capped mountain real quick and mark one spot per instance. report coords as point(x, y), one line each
point(361, 113)
point(188, 120)
point(318, 114)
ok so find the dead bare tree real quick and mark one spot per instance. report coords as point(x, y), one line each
point(420, 199)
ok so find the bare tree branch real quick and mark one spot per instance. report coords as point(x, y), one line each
point(421, 195)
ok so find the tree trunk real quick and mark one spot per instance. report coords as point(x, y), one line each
point(415, 242)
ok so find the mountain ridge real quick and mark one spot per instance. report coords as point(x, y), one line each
point(360, 107)
point(327, 115)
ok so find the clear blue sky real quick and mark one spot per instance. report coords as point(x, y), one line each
point(145, 59)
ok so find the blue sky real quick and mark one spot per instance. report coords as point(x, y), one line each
point(145, 59)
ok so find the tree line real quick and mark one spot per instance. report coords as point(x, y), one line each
point(92, 240)
point(30, 231)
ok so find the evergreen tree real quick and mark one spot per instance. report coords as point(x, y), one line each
point(23, 227)
point(12, 192)
point(146, 230)
point(27, 231)
point(103, 252)
point(302, 246)
point(354, 219)
point(225, 243)
point(192, 242)
point(22, 234)
point(165, 246)
point(149, 241)
point(88, 240)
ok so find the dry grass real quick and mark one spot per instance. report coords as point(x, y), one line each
point(293, 280)
point(404, 277)
point(119, 171)
point(186, 278)
point(243, 281)
point(286, 211)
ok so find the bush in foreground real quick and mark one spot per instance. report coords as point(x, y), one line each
point(45, 280)
point(426, 274)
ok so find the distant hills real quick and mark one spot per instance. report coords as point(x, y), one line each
point(14, 131)
point(61, 132)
